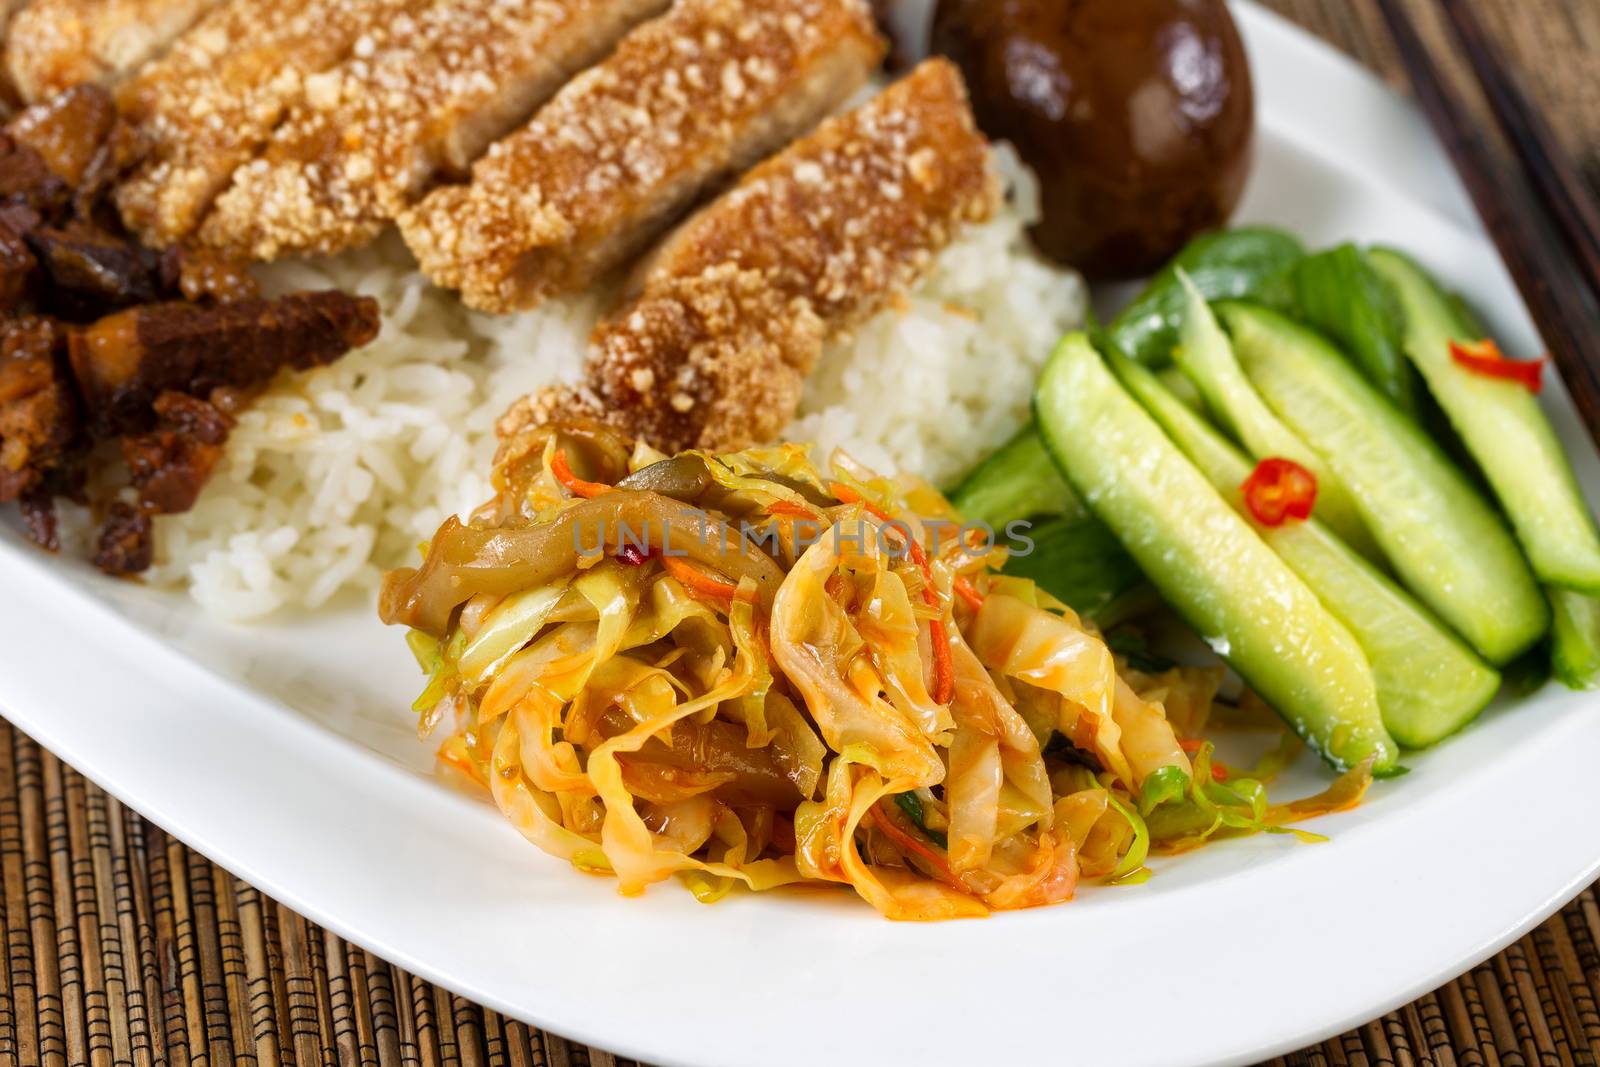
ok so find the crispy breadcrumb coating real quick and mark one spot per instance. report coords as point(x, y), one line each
point(375, 132)
point(209, 104)
point(733, 310)
point(53, 45)
point(685, 102)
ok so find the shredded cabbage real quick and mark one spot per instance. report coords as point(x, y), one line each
point(881, 710)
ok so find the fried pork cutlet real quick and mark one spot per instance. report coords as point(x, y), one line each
point(685, 101)
point(355, 153)
point(733, 310)
point(210, 103)
point(55, 44)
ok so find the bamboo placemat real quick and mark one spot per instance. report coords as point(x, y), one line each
point(123, 947)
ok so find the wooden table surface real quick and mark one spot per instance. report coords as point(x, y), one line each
point(1554, 45)
point(124, 947)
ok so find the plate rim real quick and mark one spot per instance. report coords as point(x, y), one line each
point(1278, 46)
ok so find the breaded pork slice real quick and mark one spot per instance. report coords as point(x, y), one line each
point(683, 103)
point(734, 308)
point(347, 161)
point(210, 103)
point(55, 44)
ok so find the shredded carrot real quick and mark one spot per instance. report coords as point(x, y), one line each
point(791, 509)
point(850, 496)
point(1191, 745)
point(944, 668)
point(575, 485)
point(944, 671)
point(885, 822)
point(968, 592)
point(698, 581)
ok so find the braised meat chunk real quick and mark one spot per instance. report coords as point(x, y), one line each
point(733, 310)
point(26, 179)
point(124, 362)
point(16, 259)
point(40, 435)
point(89, 272)
point(53, 45)
point(175, 339)
point(127, 540)
point(686, 101)
point(168, 465)
point(372, 134)
point(210, 104)
point(68, 131)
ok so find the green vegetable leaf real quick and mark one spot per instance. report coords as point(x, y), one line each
point(1077, 560)
point(1018, 481)
point(1133, 647)
point(1249, 262)
point(1339, 293)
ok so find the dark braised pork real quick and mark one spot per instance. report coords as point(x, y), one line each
point(168, 467)
point(40, 434)
point(102, 339)
point(89, 271)
point(124, 362)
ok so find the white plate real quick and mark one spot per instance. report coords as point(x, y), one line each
point(285, 752)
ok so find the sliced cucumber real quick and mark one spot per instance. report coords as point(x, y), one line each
point(1505, 431)
point(1016, 482)
point(1429, 683)
point(1575, 639)
point(1445, 541)
point(1207, 562)
point(1206, 356)
point(1179, 384)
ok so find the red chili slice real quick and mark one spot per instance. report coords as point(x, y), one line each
point(632, 555)
point(1279, 490)
point(1484, 357)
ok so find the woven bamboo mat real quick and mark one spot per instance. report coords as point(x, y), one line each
point(123, 947)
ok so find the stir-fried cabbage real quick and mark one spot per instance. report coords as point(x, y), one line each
point(738, 670)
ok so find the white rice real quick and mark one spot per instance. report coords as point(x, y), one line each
point(332, 476)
